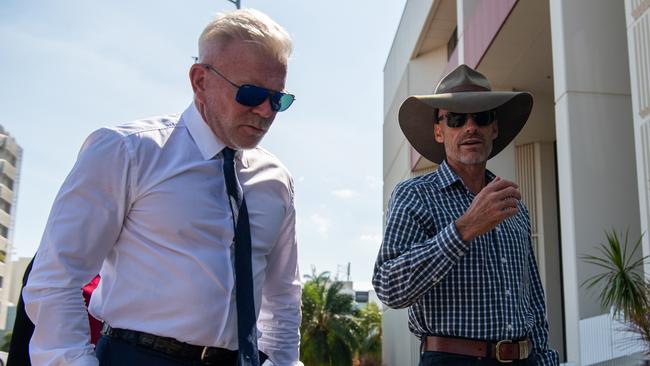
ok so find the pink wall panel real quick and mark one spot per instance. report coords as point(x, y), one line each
point(483, 28)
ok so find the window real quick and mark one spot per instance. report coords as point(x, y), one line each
point(6, 181)
point(4, 231)
point(5, 206)
point(6, 155)
point(361, 296)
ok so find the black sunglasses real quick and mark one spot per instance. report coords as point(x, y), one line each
point(456, 120)
point(252, 95)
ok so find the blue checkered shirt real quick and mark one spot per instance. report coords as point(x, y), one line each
point(487, 289)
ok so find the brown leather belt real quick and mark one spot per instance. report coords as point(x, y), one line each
point(504, 351)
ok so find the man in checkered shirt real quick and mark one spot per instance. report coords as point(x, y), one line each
point(457, 250)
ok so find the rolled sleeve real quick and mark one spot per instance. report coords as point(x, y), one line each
point(280, 314)
point(84, 224)
point(414, 255)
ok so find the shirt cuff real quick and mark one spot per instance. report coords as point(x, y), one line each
point(268, 362)
point(453, 247)
point(84, 360)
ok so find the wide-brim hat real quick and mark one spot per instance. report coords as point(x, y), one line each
point(464, 90)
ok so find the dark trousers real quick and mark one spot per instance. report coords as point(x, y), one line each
point(116, 352)
point(448, 359)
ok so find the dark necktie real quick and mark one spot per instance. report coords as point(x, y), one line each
point(246, 322)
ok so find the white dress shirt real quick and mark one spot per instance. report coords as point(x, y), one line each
point(146, 202)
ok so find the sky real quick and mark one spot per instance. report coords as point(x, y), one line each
point(68, 67)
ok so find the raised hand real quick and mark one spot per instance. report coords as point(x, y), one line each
point(494, 203)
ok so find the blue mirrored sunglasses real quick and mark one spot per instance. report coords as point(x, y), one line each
point(252, 95)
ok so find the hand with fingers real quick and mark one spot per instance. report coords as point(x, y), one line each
point(496, 202)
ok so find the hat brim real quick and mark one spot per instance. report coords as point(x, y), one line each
point(416, 117)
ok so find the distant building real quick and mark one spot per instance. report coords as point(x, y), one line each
point(10, 159)
point(12, 285)
point(361, 298)
point(18, 268)
point(583, 159)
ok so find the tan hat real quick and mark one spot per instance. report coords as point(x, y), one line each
point(463, 90)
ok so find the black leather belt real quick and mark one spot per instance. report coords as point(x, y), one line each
point(173, 347)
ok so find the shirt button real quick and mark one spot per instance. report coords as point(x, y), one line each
point(507, 292)
point(503, 260)
point(460, 252)
point(509, 327)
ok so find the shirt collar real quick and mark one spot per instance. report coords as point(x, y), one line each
point(208, 143)
point(449, 177)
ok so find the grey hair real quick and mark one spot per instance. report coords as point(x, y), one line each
point(246, 25)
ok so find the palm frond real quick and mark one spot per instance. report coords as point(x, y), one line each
point(623, 284)
point(330, 326)
point(624, 288)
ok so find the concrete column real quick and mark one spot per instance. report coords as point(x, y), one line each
point(549, 255)
point(402, 347)
point(595, 143)
point(460, 29)
point(638, 40)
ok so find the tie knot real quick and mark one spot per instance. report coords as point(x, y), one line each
point(228, 153)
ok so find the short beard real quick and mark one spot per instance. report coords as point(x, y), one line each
point(470, 160)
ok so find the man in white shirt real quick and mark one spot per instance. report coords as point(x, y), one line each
point(151, 207)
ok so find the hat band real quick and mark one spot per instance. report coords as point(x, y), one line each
point(465, 88)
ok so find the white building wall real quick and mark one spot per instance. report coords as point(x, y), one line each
point(396, 164)
point(503, 164)
point(414, 18)
point(638, 41)
point(398, 347)
point(595, 143)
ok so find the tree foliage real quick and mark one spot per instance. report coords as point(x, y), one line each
point(369, 335)
point(333, 332)
point(6, 342)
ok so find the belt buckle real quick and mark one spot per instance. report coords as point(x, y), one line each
point(497, 350)
point(204, 353)
point(106, 329)
point(523, 349)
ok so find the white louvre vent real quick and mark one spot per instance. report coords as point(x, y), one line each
point(424, 171)
point(603, 338)
point(642, 56)
point(526, 159)
point(639, 7)
point(645, 155)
